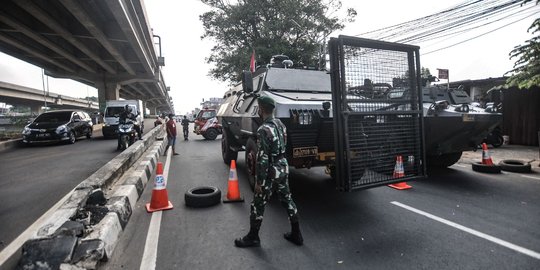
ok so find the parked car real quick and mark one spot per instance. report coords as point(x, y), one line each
point(58, 126)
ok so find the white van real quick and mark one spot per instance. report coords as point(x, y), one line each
point(111, 115)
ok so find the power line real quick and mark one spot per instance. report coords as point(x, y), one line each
point(455, 44)
point(462, 18)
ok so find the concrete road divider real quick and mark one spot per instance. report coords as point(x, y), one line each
point(84, 230)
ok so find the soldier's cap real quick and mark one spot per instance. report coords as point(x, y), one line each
point(266, 100)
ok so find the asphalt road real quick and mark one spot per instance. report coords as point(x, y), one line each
point(379, 228)
point(33, 179)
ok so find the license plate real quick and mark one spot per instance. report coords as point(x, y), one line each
point(305, 152)
point(43, 135)
point(468, 118)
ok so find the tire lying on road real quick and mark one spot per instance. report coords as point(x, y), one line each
point(513, 165)
point(202, 196)
point(479, 167)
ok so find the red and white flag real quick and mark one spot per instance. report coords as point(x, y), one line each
point(252, 62)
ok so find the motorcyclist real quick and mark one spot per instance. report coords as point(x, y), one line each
point(128, 114)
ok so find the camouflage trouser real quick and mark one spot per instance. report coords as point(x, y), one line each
point(261, 199)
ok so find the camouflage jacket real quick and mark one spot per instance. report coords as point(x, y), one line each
point(271, 144)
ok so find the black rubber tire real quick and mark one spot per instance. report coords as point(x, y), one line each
point(72, 137)
point(513, 165)
point(226, 153)
point(124, 143)
point(443, 161)
point(89, 133)
point(210, 134)
point(251, 159)
point(498, 141)
point(202, 196)
point(479, 167)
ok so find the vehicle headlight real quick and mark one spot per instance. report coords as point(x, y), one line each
point(61, 129)
point(125, 128)
point(305, 118)
point(462, 108)
point(26, 131)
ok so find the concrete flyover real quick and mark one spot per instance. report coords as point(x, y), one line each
point(35, 99)
point(106, 44)
point(84, 227)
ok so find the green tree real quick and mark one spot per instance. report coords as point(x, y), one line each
point(296, 28)
point(526, 71)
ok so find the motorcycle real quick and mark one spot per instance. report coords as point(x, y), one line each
point(126, 134)
point(494, 138)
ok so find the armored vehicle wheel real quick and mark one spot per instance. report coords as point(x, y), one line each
point(251, 161)
point(210, 134)
point(497, 141)
point(443, 161)
point(226, 151)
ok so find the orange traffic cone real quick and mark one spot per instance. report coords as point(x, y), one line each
point(160, 198)
point(398, 173)
point(233, 191)
point(486, 158)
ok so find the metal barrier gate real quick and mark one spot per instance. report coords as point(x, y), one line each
point(376, 94)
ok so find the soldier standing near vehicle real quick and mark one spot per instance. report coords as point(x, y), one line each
point(170, 126)
point(272, 168)
point(185, 125)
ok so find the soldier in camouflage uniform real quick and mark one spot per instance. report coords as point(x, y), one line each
point(272, 169)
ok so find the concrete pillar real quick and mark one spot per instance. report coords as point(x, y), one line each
point(35, 109)
point(107, 91)
point(151, 109)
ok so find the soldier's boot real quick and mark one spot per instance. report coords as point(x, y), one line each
point(252, 238)
point(295, 235)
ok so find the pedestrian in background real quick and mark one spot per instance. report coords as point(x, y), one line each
point(158, 121)
point(271, 169)
point(170, 126)
point(185, 125)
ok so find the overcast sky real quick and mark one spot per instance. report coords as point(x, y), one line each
point(185, 71)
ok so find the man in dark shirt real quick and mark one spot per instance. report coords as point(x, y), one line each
point(185, 125)
point(170, 126)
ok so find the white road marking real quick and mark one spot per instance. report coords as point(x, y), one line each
point(532, 177)
point(459, 165)
point(495, 240)
point(23, 237)
point(149, 257)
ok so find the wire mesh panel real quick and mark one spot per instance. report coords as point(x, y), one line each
point(377, 113)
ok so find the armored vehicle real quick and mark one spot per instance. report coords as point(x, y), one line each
point(359, 139)
point(453, 123)
point(360, 120)
point(299, 95)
